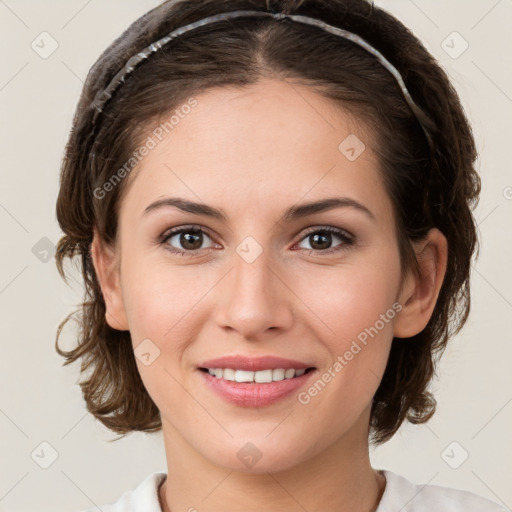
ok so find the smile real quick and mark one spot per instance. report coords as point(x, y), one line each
point(248, 391)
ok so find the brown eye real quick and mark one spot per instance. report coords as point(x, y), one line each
point(185, 240)
point(321, 240)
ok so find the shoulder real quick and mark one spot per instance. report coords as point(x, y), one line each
point(401, 494)
point(143, 498)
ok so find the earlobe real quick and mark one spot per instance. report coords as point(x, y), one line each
point(107, 271)
point(419, 293)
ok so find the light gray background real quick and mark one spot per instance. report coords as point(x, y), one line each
point(40, 400)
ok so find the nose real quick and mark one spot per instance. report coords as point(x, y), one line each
point(254, 297)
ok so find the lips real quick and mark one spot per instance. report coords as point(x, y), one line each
point(253, 394)
point(255, 364)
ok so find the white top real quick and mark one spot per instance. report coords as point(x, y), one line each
point(399, 495)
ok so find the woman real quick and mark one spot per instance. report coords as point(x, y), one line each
point(274, 219)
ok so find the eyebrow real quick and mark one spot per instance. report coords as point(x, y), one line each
point(293, 213)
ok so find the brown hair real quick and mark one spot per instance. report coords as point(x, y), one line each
point(436, 188)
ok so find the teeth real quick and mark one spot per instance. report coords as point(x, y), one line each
point(242, 376)
point(263, 376)
point(278, 374)
point(228, 374)
point(270, 375)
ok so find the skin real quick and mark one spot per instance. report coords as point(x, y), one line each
point(254, 152)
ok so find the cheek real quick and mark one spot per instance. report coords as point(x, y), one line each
point(352, 298)
point(358, 354)
point(161, 305)
point(353, 310)
point(158, 297)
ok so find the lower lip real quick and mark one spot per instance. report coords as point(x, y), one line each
point(253, 394)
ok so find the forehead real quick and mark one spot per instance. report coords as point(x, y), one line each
point(269, 142)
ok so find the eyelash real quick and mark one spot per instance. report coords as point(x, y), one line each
point(347, 239)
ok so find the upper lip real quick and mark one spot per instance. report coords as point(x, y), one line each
point(254, 364)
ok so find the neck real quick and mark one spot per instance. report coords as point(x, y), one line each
point(340, 478)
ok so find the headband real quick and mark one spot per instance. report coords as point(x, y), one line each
point(104, 96)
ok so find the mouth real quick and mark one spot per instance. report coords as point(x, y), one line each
point(255, 382)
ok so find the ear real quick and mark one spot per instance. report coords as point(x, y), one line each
point(419, 294)
point(106, 265)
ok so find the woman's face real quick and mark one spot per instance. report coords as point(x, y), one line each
point(258, 283)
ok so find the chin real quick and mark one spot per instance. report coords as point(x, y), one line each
point(257, 456)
